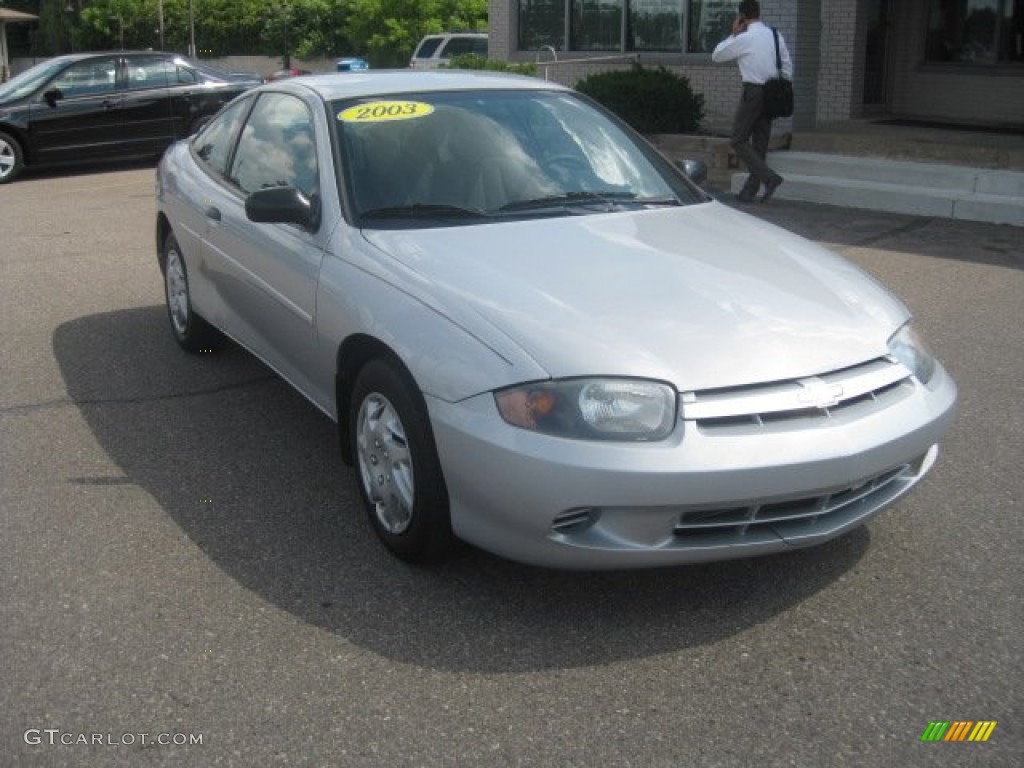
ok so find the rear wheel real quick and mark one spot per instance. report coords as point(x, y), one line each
point(12, 159)
point(190, 330)
point(400, 480)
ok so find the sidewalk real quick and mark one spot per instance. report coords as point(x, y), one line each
point(923, 170)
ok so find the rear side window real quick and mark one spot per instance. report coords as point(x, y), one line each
point(427, 47)
point(460, 45)
point(214, 142)
point(147, 72)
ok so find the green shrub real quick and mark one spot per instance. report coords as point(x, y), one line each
point(650, 100)
point(476, 61)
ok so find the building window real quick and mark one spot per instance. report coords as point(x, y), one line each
point(674, 26)
point(656, 25)
point(710, 23)
point(596, 25)
point(541, 23)
point(976, 31)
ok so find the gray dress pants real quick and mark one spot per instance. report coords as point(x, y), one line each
point(750, 133)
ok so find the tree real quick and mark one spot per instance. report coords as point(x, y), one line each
point(133, 23)
point(54, 28)
point(390, 29)
point(385, 31)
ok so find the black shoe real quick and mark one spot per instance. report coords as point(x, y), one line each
point(746, 195)
point(770, 187)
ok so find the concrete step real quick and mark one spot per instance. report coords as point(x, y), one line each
point(917, 188)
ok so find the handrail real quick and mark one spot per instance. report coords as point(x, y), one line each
point(635, 57)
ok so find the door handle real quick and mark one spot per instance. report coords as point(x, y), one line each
point(213, 213)
point(109, 105)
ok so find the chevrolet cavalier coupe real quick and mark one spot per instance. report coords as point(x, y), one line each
point(534, 333)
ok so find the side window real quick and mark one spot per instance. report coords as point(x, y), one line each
point(460, 45)
point(88, 78)
point(427, 47)
point(277, 147)
point(213, 143)
point(146, 72)
point(186, 76)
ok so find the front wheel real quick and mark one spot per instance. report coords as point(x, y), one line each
point(190, 330)
point(12, 159)
point(400, 479)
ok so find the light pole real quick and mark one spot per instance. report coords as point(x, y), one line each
point(191, 31)
point(70, 11)
point(160, 18)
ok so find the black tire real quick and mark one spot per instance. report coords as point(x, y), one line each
point(12, 159)
point(398, 471)
point(190, 330)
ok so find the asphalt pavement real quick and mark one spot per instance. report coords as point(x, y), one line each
point(186, 578)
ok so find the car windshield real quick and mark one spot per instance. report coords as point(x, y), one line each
point(31, 79)
point(457, 158)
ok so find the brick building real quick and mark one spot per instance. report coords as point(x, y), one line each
point(941, 60)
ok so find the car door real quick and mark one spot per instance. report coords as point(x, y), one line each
point(199, 190)
point(77, 115)
point(148, 124)
point(267, 274)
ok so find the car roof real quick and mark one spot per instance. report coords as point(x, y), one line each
point(93, 54)
point(349, 85)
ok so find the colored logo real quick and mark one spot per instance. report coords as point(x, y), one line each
point(958, 730)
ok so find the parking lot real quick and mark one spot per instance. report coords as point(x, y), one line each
point(187, 577)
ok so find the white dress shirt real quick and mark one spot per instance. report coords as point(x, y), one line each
point(754, 51)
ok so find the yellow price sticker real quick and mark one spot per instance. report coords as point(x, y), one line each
point(381, 111)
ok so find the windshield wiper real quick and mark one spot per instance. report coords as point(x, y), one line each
point(580, 197)
point(657, 201)
point(583, 198)
point(423, 210)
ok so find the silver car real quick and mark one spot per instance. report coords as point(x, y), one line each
point(537, 335)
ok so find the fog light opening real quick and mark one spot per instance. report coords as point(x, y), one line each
point(575, 520)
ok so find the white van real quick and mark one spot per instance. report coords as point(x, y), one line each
point(435, 50)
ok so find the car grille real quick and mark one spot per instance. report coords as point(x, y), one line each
point(791, 516)
point(849, 393)
point(743, 526)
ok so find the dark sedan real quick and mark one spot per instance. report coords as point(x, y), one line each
point(96, 106)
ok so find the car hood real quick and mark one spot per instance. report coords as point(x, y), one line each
point(701, 296)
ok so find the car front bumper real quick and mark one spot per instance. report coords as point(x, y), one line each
point(694, 497)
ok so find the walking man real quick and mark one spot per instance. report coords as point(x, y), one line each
point(752, 46)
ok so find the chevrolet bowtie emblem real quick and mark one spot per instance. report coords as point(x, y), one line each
point(817, 393)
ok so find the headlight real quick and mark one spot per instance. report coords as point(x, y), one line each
point(592, 409)
point(909, 348)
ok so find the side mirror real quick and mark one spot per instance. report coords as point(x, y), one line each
point(53, 95)
point(283, 205)
point(695, 170)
